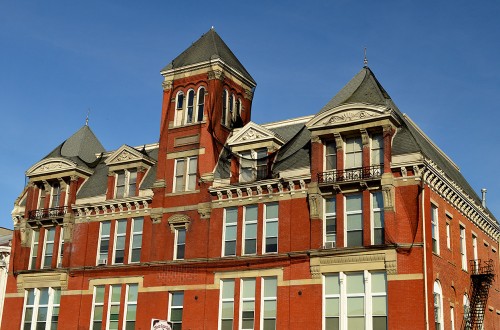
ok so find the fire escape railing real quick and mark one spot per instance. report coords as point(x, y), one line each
point(351, 174)
point(482, 277)
point(53, 212)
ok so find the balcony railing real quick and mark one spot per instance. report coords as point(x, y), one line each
point(479, 267)
point(53, 212)
point(351, 174)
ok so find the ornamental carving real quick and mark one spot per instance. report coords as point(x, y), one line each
point(56, 166)
point(167, 85)
point(179, 221)
point(216, 74)
point(251, 134)
point(124, 156)
point(349, 116)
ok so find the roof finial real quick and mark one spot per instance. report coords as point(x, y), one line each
point(87, 119)
point(365, 61)
point(212, 28)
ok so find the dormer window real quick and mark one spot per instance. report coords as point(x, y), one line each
point(353, 152)
point(126, 183)
point(253, 165)
point(55, 194)
point(377, 149)
point(330, 155)
point(41, 196)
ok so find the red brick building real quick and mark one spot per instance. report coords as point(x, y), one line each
point(350, 218)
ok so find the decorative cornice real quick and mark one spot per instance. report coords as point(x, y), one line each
point(133, 206)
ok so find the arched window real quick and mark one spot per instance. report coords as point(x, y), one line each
point(238, 108)
point(224, 108)
point(231, 106)
point(179, 106)
point(180, 101)
point(466, 309)
point(190, 107)
point(438, 306)
point(201, 104)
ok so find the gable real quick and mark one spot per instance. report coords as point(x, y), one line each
point(127, 155)
point(252, 136)
point(55, 165)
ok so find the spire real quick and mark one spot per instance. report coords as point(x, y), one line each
point(365, 61)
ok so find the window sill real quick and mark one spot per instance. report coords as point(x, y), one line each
point(187, 125)
point(180, 193)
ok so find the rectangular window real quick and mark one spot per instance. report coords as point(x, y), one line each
point(474, 251)
point(448, 238)
point(271, 227)
point(227, 305)
point(435, 229)
point(247, 316)
point(61, 247)
point(253, 165)
point(176, 306)
point(97, 308)
point(354, 220)
point(330, 227)
point(250, 229)
point(120, 184)
point(353, 152)
point(56, 194)
point(180, 243)
point(452, 318)
point(119, 246)
point(377, 149)
point(41, 308)
point(48, 247)
point(185, 174)
point(102, 257)
point(126, 183)
point(113, 316)
point(41, 197)
point(130, 311)
point(356, 300)
point(269, 303)
point(463, 253)
point(136, 240)
point(378, 218)
point(230, 230)
point(330, 155)
point(35, 236)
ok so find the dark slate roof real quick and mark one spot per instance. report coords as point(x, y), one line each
point(295, 153)
point(81, 147)
point(209, 47)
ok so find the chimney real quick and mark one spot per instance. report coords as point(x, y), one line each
point(483, 197)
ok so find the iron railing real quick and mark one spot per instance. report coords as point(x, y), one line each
point(53, 212)
point(351, 174)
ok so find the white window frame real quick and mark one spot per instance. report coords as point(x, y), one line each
point(463, 247)
point(438, 305)
point(101, 236)
point(128, 175)
point(118, 235)
point(134, 234)
point(225, 227)
point(60, 248)
point(448, 235)
point(253, 161)
point(435, 229)
point(327, 155)
point(185, 175)
point(177, 244)
point(267, 222)
point(249, 222)
point(249, 299)
point(225, 108)
point(36, 306)
point(55, 194)
point(330, 216)
point(354, 212)
point(45, 243)
point(179, 111)
point(35, 237)
point(129, 303)
point(190, 104)
point(374, 149)
point(200, 101)
point(353, 153)
point(171, 307)
point(452, 318)
point(474, 252)
point(375, 210)
point(269, 299)
point(97, 304)
point(112, 303)
point(40, 204)
point(222, 300)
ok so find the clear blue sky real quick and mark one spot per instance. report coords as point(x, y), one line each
point(439, 61)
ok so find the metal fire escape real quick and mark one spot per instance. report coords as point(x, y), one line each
point(481, 279)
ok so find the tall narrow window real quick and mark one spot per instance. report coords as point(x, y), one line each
point(332, 301)
point(130, 311)
point(353, 152)
point(355, 291)
point(271, 227)
point(114, 307)
point(35, 236)
point(448, 237)
point(247, 303)
point(435, 229)
point(102, 257)
point(41, 308)
point(41, 197)
point(190, 107)
point(253, 165)
point(261, 156)
point(120, 184)
point(354, 220)
point(330, 155)
point(452, 318)
point(224, 107)
point(227, 305)
point(126, 183)
point(466, 305)
point(231, 109)
point(438, 306)
point(48, 248)
point(180, 243)
point(250, 230)
point(201, 104)
point(179, 109)
point(176, 306)
point(379, 300)
point(330, 227)
point(97, 308)
point(377, 149)
point(119, 246)
point(185, 174)
point(60, 248)
point(474, 251)
point(378, 218)
point(132, 183)
point(238, 108)
point(463, 253)
point(136, 240)
point(56, 194)
point(230, 229)
point(269, 303)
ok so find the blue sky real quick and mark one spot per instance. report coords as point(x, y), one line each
point(439, 62)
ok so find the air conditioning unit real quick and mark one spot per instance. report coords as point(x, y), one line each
point(102, 262)
point(329, 245)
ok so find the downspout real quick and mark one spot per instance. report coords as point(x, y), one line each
point(422, 195)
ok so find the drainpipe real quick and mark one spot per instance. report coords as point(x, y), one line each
point(425, 254)
point(483, 197)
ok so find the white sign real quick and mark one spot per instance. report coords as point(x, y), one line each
point(157, 324)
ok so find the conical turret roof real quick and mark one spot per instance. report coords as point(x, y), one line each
point(209, 47)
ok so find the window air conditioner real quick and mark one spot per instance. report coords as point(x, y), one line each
point(102, 262)
point(329, 245)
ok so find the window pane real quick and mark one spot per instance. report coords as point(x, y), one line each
point(230, 249)
point(272, 229)
point(248, 288)
point(379, 282)
point(353, 202)
point(354, 222)
point(377, 220)
point(379, 306)
point(355, 283)
point(138, 224)
point(355, 323)
point(332, 323)
point(269, 324)
point(271, 210)
point(270, 308)
point(193, 165)
point(230, 233)
point(99, 295)
point(380, 323)
point(227, 309)
point(115, 293)
point(270, 286)
point(355, 306)
point(105, 228)
point(231, 215)
point(251, 213)
point(250, 246)
point(330, 204)
point(271, 244)
point(177, 298)
point(227, 325)
point(44, 296)
point(132, 292)
point(179, 168)
point(332, 307)
point(137, 243)
point(227, 289)
point(332, 285)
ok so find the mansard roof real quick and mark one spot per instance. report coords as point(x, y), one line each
point(83, 146)
point(209, 47)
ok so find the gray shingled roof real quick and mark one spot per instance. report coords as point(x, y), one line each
point(209, 47)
